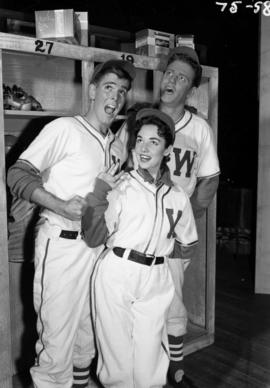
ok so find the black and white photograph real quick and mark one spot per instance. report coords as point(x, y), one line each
point(135, 197)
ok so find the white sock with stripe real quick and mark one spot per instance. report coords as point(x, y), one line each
point(80, 377)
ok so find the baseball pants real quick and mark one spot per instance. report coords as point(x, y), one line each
point(131, 304)
point(61, 299)
point(177, 316)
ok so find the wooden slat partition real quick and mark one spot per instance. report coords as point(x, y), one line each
point(5, 329)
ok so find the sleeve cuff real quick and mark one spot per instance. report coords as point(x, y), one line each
point(101, 189)
point(30, 188)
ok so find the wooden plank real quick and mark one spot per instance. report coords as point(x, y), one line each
point(87, 72)
point(142, 87)
point(196, 338)
point(52, 48)
point(262, 272)
point(213, 102)
point(210, 72)
point(199, 287)
point(156, 90)
point(211, 215)
point(194, 290)
point(31, 114)
point(5, 332)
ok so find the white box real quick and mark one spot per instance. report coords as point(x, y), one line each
point(58, 23)
point(153, 43)
point(184, 40)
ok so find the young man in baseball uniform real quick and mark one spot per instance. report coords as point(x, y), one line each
point(132, 287)
point(194, 166)
point(55, 172)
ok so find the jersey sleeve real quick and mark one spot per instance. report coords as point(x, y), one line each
point(203, 194)
point(100, 217)
point(208, 162)
point(94, 226)
point(23, 179)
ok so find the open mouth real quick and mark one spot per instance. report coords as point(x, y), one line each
point(169, 90)
point(110, 109)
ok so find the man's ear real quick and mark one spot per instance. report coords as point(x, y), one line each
point(191, 92)
point(92, 91)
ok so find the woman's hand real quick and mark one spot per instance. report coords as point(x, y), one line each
point(110, 175)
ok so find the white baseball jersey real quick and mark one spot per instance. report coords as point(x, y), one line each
point(159, 216)
point(194, 152)
point(70, 153)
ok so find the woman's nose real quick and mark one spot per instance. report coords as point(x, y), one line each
point(144, 146)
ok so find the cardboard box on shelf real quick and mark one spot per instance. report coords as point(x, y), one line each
point(57, 24)
point(184, 40)
point(153, 43)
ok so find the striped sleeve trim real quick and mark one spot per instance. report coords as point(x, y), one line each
point(29, 164)
point(209, 176)
point(188, 245)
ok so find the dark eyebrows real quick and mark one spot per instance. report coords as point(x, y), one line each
point(151, 138)
point(155, 138)
point(109, 83)
point(115, 84)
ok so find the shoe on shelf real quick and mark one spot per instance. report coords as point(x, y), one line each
point(16, 98)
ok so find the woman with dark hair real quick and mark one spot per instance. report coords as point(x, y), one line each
point(138, 215)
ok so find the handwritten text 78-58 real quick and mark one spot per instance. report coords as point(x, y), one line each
point(234, 6)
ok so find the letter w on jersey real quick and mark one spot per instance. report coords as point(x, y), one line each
point(186, 159)
point(172, 221)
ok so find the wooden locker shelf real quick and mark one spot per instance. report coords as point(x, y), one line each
point(53, 48)
point(200, 279)
point(17, 114)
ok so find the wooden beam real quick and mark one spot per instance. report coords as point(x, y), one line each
point(5, 332)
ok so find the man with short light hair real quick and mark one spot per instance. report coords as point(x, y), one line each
point(194, 166)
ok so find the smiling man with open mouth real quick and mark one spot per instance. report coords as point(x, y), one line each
point(107, 92)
